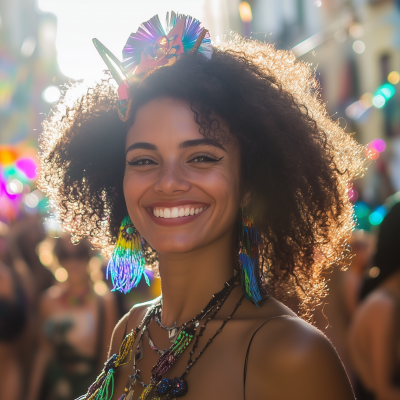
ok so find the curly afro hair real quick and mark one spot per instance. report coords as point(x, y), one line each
point(296, 163)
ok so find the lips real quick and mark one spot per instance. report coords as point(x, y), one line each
point(184, 210)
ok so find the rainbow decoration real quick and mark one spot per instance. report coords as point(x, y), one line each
point(152, 47)
point(18, 173)
point(126, 265)
point(249, 258)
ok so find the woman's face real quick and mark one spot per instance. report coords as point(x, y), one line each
point(181, 189)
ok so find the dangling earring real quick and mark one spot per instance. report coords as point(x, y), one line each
point(249, 259)
point(127, 261)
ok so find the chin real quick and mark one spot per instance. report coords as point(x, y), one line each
point(175, 244)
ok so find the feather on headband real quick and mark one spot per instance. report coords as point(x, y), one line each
point(152, 47)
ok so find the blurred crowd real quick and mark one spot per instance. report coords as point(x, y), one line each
point(56, 322)
point(53, 295)
point(57, 317)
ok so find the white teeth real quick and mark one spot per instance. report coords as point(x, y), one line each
point(176, 212)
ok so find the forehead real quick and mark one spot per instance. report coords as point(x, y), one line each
point(164, 120)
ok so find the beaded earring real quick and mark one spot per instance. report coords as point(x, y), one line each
point(126, 265)
point(249, 261)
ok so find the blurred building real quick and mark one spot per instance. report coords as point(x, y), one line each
point(354, 46)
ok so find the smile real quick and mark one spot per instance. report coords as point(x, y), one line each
point(178, 212)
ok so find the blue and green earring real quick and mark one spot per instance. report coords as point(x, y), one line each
point(126, 265)
point(249, 261)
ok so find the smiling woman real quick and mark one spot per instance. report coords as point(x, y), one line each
point(231, 180)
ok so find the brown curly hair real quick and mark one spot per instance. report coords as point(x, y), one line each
point(296, 162)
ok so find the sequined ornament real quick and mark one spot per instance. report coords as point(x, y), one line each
point(249, 261)
point(126, 265)
point(152, 47)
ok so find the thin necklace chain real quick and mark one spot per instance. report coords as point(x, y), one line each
point(203, 313)
point(217, 306)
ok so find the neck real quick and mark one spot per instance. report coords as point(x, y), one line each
point(189, 280)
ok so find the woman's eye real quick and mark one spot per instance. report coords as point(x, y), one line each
point(145, 161)
point(202, 159)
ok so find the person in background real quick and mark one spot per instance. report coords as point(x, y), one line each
point(76, 327)
point(374, 337)
point(16, 295)
point(13, 321)
point(362, 248)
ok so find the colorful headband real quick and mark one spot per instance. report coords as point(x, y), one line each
point(152, 47)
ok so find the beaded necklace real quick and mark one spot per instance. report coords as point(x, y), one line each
point(176, 387)
point(103, 387)
point(173, 331)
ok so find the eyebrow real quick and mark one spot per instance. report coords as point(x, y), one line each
point(183, 145)
point(201, 142)
point(141, 145)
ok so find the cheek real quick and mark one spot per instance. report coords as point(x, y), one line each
point(134, 187)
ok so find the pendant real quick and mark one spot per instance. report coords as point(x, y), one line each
point(172, 334)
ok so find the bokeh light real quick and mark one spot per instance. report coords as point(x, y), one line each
point(359, 46)
point(376, 217)
point(28, 167)
point(371, 154)
point(361, 209)
point(356, 30)
point(374, 272)
point(394, 78)
point(7, 156)
point(51, 94)
point(14, 187)
point(353, 195)
point(61, 274)
point(31, 200)
point(245, 12)
point(378, 101)
point(100, 288)
point(378, 144)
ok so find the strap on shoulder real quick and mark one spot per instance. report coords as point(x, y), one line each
point(248, 349)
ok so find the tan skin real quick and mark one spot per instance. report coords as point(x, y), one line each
point(288, 358)
point(373, 339)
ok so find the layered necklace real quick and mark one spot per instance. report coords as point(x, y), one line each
point(158, 387)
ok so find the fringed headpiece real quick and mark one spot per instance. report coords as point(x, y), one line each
point(152, 47)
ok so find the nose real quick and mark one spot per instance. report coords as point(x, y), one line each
point(172, 179)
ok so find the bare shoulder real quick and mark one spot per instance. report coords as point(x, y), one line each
point(376, 302)
point(128, 322)
point(375, 314)
point(290, 358)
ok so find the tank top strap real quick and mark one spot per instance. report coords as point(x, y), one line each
point(248, 349)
